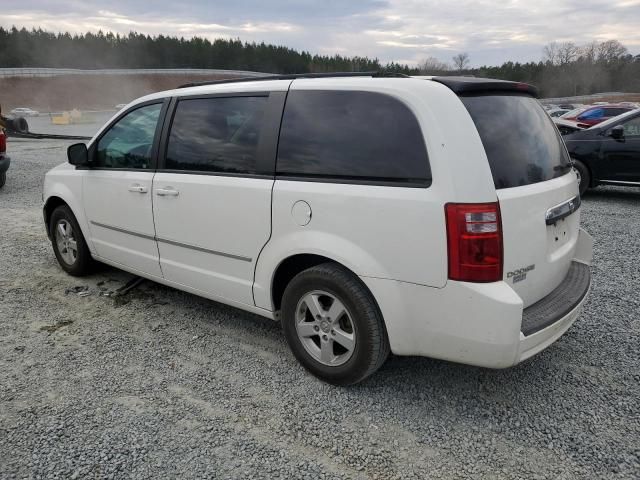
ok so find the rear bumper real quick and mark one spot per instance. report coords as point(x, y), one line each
point(560, 302)
point(4, 163)
point(541, 339)
point(480, 324)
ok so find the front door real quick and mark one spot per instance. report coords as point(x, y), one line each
point(212, 196)
point(621, 157)
point(117, 191)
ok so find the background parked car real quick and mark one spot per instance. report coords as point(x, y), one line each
point(570, 106)
point(557, 112)
point(575, 112)
point(24, 112)
point(567, 127)
point(4, 160)
point(595, 115)
point(608, 153)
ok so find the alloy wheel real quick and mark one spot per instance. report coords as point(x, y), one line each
point(325, 328)
point(66, 242)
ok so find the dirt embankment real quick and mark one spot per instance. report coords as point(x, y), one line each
point(90, 92)
point(625, 97)
point(628, 97)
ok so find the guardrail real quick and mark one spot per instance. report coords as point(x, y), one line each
point(54, 72)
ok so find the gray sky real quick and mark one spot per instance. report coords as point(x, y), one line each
point(405, 31)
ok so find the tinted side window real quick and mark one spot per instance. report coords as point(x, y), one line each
point(632, 127)
point(216, 134)
point(351, 135)
point(614, 112)
point(128, 143)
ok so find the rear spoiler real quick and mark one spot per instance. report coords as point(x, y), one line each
point(472, 85)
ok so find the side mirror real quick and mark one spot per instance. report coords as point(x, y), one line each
point(78, 155)
point(617, 132)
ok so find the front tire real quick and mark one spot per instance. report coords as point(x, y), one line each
point(333, 325)
point(584, 176)
point(68, 242)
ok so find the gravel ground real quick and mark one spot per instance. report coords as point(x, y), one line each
point(165, 384)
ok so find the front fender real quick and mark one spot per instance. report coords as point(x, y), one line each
point(66, 184)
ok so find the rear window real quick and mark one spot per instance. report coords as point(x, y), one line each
point(522, 145)
point(351, 136)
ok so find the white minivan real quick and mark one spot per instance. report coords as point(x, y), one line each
point(368, 214)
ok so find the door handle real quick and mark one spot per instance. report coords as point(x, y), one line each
point(167, 192)
point(137, 188)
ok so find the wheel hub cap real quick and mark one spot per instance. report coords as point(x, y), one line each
point(66, 242)
point(325, 328)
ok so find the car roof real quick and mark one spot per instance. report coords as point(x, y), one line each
point(459, 85)
point(608, 105)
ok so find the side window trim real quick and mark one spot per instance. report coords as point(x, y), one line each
point(269, 132)
point(156, 137)
point(344, 180)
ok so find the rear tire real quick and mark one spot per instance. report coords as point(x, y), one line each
point(333, 325)
point(584, 177)
point(68, 242)
point(3, 179)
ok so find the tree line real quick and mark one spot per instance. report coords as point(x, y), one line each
point(565, 69)
point(39, 48)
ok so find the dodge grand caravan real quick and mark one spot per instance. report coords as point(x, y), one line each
point(435, 216)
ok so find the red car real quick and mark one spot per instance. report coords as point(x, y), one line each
point(4, 160)
point(598, 113)
point(13, 124)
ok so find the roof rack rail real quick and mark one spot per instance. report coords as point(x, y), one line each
point(293, 76)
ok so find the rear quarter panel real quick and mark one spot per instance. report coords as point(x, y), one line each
point(375, 231)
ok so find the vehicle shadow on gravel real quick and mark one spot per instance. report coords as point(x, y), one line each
point(410, 378)
point(627, 195)
point(422, 372)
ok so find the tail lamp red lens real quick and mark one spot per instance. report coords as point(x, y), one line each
point(3, 142)
point(474, 241)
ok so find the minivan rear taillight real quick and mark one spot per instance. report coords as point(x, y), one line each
point(474, 241)
point(3, 142)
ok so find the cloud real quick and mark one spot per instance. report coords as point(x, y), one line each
point(406, 31)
